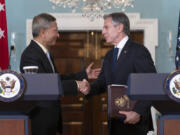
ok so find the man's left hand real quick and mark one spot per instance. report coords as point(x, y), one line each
point(92, 73)
point(131, 117)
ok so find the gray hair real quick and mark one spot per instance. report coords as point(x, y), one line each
point(41, 21)
point(120, 18)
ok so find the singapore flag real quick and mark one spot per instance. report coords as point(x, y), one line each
point(4, 55)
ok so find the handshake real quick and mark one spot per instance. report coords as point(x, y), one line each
point(83, 86)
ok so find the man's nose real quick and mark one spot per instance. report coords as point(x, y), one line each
point(103, 31)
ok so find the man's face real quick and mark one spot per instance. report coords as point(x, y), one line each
point(110, 32)
point(51, 34)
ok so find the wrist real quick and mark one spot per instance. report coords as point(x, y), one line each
point(78, 86)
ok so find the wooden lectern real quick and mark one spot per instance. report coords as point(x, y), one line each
point(149, 86)
point(40, 87)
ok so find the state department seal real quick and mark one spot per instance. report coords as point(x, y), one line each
point(122, 101)
point(172, 86)
point(12, 85)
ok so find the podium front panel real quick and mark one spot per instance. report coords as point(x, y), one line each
point(169, 124)
point(42, 87)
point(14, 125)
point(147, 86)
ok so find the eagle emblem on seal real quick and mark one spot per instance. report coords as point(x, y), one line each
point(122, 101)
point(176, 88)
point(12, 85)
point(7, 86)
point(172, 85)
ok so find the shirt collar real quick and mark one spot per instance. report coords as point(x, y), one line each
point(42, 47)
point(122, 43)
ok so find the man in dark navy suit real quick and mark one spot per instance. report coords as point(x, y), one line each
point(125, 58)
point(45, 116)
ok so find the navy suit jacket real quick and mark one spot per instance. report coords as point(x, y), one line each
point(33, 55)
point(134, 58)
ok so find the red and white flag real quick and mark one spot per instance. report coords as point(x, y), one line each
point(4, 54)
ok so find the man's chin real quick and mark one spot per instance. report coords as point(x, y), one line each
point(107, 41)
point(53, 43)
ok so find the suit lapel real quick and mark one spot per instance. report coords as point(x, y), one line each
point(108, 65)
point(45, 62)
point(120, 61)
point(110, 61)
point(123, 56)
point(53, 63)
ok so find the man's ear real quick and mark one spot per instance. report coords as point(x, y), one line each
point(121, 27)
point(42, 32)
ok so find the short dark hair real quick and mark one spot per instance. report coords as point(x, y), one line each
point(41, 21)
point(120, 18)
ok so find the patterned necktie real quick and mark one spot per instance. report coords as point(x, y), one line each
point(115, 53)
point(50, 61)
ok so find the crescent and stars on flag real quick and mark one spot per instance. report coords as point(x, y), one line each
point(4, 53)
point(1, 31)
point(1, 7)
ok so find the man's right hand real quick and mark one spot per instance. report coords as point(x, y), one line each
point(83, 86)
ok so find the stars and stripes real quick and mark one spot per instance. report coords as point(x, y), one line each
point(178, 36)
point(177, 58)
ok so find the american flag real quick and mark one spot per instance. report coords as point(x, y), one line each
point(4, 54)
point(177, 58)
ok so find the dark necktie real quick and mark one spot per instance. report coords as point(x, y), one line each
point(115, 53)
